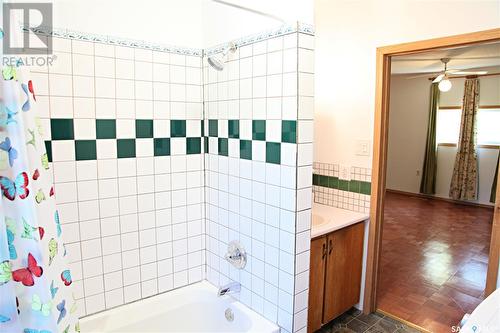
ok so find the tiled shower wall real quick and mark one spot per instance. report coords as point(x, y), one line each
point(329, 189)
point(258, 123)
point(123, 130)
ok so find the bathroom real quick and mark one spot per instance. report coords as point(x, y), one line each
point(181, 139)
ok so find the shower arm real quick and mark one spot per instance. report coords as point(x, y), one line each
point(258, 12)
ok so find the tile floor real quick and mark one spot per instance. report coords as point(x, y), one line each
point(354, 321)
point(434, 260)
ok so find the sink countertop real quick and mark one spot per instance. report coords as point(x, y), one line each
point(326, 219)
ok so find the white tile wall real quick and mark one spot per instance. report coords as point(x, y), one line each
point(139, 226)
point(133, 226)
point(265, 206)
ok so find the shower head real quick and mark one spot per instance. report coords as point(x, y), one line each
point(217, 61)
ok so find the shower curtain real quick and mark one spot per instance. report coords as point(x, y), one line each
point(35, 283)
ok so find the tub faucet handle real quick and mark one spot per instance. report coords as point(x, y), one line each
point(236, 255)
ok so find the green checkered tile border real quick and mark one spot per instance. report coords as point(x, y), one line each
point(356, 186)
point(250, 139)
point(166, 136)
point(246, 139)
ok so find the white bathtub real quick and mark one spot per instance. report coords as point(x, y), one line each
point(195, 308)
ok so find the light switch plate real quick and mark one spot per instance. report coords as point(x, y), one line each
point(345, 172)
point(363, 147)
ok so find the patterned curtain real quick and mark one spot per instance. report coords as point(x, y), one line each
point(464, 179)
point(35, 284)
point(429, 169)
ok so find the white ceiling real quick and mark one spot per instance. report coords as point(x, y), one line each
point(462, 58)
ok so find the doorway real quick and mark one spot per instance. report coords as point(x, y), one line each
point(381, 199)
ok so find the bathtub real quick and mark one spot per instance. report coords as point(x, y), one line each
point(195, 308)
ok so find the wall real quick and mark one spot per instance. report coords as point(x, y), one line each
point(409, 107)
point(258, 119)
point(123, 131)
point(347, 34)
point(237, 23)
point(169, 22)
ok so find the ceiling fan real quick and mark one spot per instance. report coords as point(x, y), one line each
point(443, 77)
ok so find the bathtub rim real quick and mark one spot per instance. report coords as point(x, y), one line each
point(202, 285)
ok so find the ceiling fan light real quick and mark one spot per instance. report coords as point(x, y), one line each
point(444, 85)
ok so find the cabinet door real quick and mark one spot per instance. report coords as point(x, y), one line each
point(343, 270)
point(316, 283)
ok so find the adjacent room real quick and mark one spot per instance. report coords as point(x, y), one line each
point(442, 163)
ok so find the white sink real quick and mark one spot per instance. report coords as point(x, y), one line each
point(318, 220)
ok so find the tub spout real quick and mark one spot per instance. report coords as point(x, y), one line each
point(229, 288)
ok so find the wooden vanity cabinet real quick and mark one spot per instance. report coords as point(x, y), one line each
point(335, 274)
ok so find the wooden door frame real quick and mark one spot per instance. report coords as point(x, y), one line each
point(379, 164)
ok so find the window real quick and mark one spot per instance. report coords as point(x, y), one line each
point(488, 126)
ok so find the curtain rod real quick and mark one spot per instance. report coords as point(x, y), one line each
point(466, 76)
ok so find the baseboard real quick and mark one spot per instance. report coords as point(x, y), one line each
point(406, 322)
point(428, 196)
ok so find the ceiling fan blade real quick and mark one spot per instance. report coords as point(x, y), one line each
point(469, 73)
point(438, 78)
point(420, 75)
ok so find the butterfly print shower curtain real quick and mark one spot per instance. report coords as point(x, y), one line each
point(35, 283)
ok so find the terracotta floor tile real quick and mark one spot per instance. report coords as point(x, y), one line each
point(434, 260)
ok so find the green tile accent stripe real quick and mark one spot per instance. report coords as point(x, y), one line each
point(273, 152)
point(162, 146)
point(289, 131)
point(177, 128)
point(356, 186)
point(48, 148)
point(246, 149)
point(193, 145)
point(259, 130)
point(105, 128)
point(125, 148)
point(213, 127)
point(233, 127)
point(85, 150)
point(62, 129)
point(144, 128)
point(223, 146)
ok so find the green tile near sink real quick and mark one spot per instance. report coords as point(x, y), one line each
point(333, 182)
point(343, 185)
point(354, 186)
point(365, 188)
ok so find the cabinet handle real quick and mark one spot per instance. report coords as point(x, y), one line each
point(324, 251)
point(330, 247)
